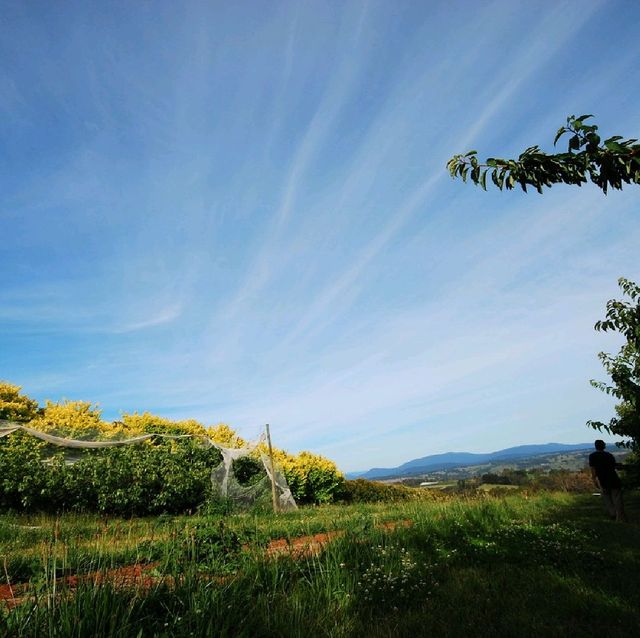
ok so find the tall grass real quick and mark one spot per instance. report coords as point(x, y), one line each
point(481, 567)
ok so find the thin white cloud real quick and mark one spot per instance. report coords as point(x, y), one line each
point(558, 27)
point(158, 318)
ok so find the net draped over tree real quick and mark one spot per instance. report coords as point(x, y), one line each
point(223, 479)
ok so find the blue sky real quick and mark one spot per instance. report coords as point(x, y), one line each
point(240, 212)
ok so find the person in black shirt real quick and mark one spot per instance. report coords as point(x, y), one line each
point(603, 470)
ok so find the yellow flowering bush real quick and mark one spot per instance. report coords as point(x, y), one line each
point(158, 475)
point(147, 423)
point(72, 419)
point(222, 434)
point(311, 477)
point(15, 406)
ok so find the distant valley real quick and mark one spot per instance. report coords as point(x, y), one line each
point(462, 464)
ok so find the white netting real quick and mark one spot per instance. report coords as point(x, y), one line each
point(76, 443)
point(285, 498)
point(223, 479)
point(225, 483)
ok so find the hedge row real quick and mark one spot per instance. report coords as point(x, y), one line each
point(154, 477)
point(150, 478)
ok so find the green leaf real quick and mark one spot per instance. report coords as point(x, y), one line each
point(561, 131)
point(615, 147)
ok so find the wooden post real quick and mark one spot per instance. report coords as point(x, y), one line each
point(274, 494)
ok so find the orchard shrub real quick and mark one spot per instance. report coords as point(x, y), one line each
point(151, 477)
point(313, 479)
point(363, 491)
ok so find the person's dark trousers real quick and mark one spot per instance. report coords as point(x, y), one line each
point(613, 503)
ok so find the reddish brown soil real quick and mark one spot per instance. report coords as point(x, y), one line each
point(301, 546)
point(138, 575)
point(312, 545)
point(129, 576)
point(7, 592)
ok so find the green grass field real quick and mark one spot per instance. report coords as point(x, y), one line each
point(549, 564)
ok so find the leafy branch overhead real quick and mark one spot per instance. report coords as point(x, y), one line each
point(608, 165)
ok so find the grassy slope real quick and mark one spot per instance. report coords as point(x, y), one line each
point(547, 565)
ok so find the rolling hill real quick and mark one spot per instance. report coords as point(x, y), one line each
point(449, 460)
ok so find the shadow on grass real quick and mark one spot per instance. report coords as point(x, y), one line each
point(618, 542)
point(587, 508)
point(511, 601)
point(571, 573)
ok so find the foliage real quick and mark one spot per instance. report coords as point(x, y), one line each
point(608, 165)
point(209, 543)
point(73, 420)
point(15, 406)
point(150, 478)
point(312, 478)
point(147, 423)
point(527, 566)
point(495, 479)
point(562, 481)
point(624, 368)
point(508, 476)
point(22, 476)
point(248, 470)
point(225, 436)
point(363, 491)
point(536, 480)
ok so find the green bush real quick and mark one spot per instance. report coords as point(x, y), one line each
point(562, 481)
point(23, 479)
point(150, 478)
point(248, 470)
point(363, 491)
point(312, 478)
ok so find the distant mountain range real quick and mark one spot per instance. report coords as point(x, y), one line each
point(449, 460)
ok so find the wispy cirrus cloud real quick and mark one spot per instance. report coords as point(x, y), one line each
point(244, 215)
point(162, 316)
